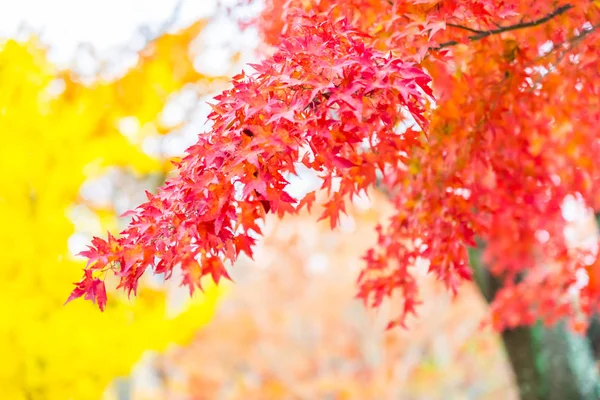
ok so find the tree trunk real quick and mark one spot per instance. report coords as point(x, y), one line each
point(548, 363)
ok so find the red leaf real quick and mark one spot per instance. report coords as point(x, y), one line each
point(343, 163)
point(92, 288)
point(214, 266)
point(307, 201)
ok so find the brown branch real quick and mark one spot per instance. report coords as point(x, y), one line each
point(465, 28)
point(522, 25)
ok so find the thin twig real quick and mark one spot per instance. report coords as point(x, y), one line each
point(465, 28)
point(522, 25)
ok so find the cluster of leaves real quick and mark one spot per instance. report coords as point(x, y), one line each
point(477, 117)
point(57, 132)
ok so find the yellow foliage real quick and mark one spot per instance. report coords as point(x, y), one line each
point(53, 129)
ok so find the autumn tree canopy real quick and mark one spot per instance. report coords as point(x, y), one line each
point(478, 118)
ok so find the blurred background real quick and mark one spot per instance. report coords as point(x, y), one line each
point(97, 98)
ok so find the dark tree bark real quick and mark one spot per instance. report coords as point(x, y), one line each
point(549, 363)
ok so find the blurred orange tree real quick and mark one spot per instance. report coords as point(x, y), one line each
point(56, 133)
point(290, 327)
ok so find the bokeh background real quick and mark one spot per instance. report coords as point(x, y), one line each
point(96, 99)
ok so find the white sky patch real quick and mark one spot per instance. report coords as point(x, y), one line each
point(317, 263)
point(573, 209)
point(362, 201)
point(306, 181)
point(93, 36)
point(78, 242)
point(347, 223)
point(546, 48)
point(67, 24)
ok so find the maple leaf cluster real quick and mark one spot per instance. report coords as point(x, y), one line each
point(477, 117)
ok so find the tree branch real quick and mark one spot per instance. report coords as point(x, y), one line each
point(522, 25)
point(465, 28)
